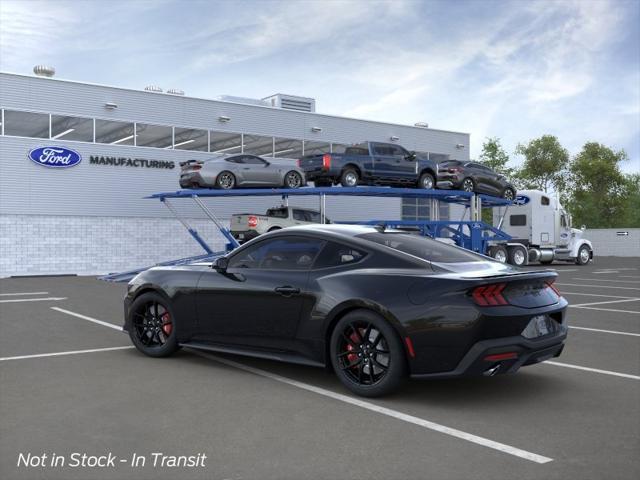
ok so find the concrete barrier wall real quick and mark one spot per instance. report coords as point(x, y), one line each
point(614, 242)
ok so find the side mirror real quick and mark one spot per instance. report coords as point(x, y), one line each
point(583, 227)
point(221, 264)
point(412, 156)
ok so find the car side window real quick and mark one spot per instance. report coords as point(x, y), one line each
point(282, 253)
point(313, 216)
point(253, 160)
point(336, 254)
point(544, 201)
point(300, 215)
point(234, 159)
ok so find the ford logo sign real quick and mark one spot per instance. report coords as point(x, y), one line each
point(55, 157)
point(521, 200)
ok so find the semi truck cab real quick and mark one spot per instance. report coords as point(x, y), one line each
point(541, 231)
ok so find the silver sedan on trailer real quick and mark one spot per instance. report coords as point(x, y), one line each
point(244, 170)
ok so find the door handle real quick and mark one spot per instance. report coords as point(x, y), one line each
point(287, 290)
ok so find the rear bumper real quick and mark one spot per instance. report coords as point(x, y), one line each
point(528, 352)
point(244, 235)
point(191, 180)
point(448, 181)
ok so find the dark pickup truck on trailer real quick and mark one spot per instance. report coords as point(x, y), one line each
point(371, 163)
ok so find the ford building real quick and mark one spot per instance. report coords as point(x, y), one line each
point(77, 160)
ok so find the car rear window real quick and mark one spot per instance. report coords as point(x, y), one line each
point(277, 212)
point(422, 247)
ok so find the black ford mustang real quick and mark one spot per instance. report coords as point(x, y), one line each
point(371, 304)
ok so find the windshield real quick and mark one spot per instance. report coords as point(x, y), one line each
point(422, 247)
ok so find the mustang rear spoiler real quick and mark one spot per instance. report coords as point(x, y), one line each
point(189, 162)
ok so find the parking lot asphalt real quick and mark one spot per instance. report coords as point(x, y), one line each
point(575, 417)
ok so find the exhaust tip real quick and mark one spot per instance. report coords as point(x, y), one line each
point(490, 372)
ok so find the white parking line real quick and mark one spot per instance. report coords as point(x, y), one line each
point(606, 309)
point(605, 272)
point(629, 276)
point(59, 354)
point(23, 293)
point(485, 442)
point(598, 286)
point(47, 299)
point(595, 370)
point(89, 319)
point(596, 303)
point(592, 294)
point(606, 331)
point(608, 280)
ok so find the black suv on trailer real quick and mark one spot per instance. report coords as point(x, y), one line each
point(474, 177)
point(371, 163)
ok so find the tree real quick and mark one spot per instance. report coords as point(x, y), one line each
point(545, 164)
point(598, 191)
point(630, 216)
point(495, 157)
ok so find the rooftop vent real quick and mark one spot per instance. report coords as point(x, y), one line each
point(153, 88)
point(175, 91)
point(292, 102)
point(421, 124)
point(44, 71)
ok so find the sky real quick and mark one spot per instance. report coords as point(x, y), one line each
point(509, 69)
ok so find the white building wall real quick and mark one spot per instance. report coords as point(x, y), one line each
point(612, 242)
point(93, 218)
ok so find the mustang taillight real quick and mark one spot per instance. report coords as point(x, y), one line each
point(253, 221)
point(326, 161)
point(299, 162)
point(489, 295)
point(196, 167)
point(455, 170)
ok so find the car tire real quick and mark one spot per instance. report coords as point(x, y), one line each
point(584, 255)
point(468, 185)
point(518, 256)
point(349, 178)
point(509, 194)
point(293, 180)
point(152, 325)
point(226, 180)
point(499, 253)
point(427, 182)
point(357, 359)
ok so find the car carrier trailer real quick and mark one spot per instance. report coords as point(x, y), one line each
point(469, 232)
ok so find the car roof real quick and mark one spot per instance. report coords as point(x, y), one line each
point(338, 230)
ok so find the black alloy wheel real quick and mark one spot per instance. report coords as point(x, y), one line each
point(367, 354)
point(468, 185)
point(293, 179)
point(152, 327)
point(426, 181)
point(226, 180)
point(508, 194)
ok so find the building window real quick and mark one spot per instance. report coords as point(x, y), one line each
point(115, 133)
point(71, 128)
point(226, 143)
point(191, 139)
point(316, 148)
point(258, 145)
point(419, 209)
point(26, 124)
point(157, 136)
point(287, 148)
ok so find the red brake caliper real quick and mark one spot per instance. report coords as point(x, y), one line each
point(167, 326)
point(352, 357)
